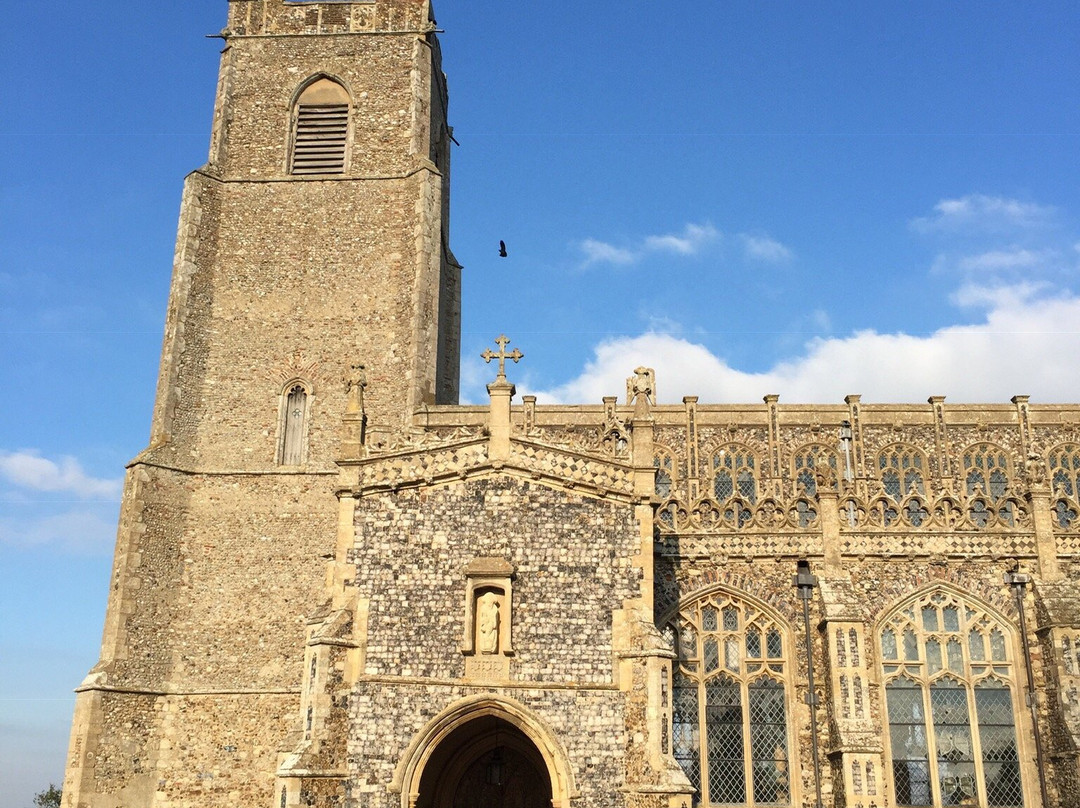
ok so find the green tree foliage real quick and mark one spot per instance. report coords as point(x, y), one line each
point(49, 798)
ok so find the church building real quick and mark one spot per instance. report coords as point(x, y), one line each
point(335, 586)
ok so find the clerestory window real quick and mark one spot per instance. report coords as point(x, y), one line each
point(986, 471)
point(320, 127)
point(734, 474)
point(950, 686)
point(808, 460)
point(903, 472)
point(729, 703)
point(1065, 470)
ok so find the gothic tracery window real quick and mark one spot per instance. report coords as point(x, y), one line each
point(734, 474)
point(1065, 470)
point(987, 483)
point(729, 702)
point(903, 472)
point(808, 461)
point(986, 471)
point(950, 684)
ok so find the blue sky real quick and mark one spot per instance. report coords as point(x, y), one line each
point(809, 199)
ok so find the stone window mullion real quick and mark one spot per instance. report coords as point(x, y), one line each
point(931, 743)
point(976, 741)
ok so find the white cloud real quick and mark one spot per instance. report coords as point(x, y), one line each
point(977, 295)
point(989, 361)
point(764, 248)
point(692, 239)
point(982, 212)
point(689, 242)
point(1013, 258)
point(819, 319)
point(600, 252)
point(27, 469)
point(83, 530)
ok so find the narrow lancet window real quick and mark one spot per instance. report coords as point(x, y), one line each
point(294, 425)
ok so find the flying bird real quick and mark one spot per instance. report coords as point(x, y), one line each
point(502, 249)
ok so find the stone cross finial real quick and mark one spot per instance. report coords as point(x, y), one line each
point(502, 355)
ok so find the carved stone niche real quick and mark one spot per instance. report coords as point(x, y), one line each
point(489, 602)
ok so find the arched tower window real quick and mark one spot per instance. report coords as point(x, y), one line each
point(294, 422)
point(903, 472)
point(320, 129)
point(734, 473)
point(729, 702)
point(950, 681)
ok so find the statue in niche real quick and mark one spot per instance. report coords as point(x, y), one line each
point(355, 384)
point(488, 623)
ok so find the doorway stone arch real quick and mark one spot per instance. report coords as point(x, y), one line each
point(456, 747)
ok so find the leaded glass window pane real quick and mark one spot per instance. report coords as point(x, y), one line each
point(888, 644)
point(686, 739)
point(724, 720)
point(901, 472)
point(907, 733)
point(712, 655)
point(768, 741)
point(911, 646)
point(753, 644)
point(723, 486)
point(776, 645)
point(952, 736)
point(997, 733)
point(890, 480)
point(708, 618)
point(731, 619)
point(977, 644)
point(997, 645)
point(747, 485)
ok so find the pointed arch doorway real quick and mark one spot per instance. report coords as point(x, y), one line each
point(485, 763)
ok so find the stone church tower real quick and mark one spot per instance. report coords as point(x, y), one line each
point(335, 587)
